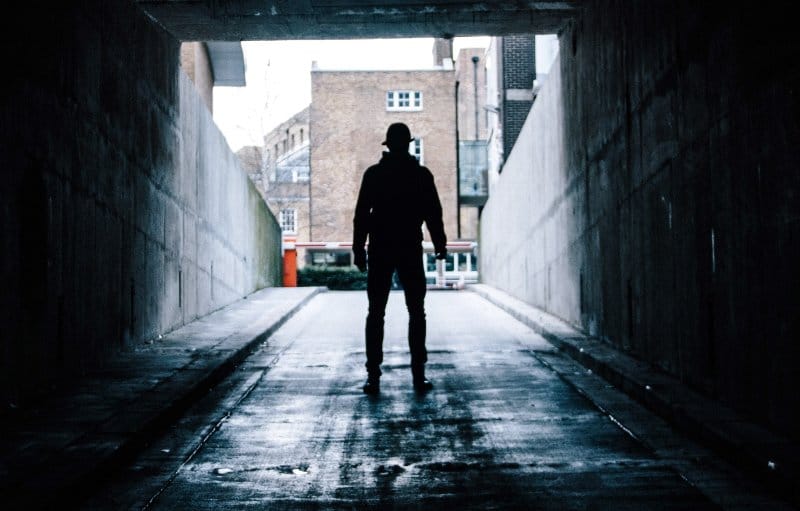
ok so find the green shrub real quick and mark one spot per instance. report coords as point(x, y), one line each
point(332, 278)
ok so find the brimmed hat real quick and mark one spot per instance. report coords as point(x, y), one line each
point(398, 132)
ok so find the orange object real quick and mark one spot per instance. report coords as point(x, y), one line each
point(290, 267)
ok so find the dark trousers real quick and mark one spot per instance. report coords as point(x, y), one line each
point(410, 270)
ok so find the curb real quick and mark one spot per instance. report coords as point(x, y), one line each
point(190, 384)
point(763, 454)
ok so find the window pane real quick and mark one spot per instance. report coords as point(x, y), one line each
point(283, 174)
point(403, 99)
point(389, 99)
point(449, 263)
point(417, 99)
point(302, 174)
point(341, 259)
point(430, 262)
point(286, 219)
point(415, 149)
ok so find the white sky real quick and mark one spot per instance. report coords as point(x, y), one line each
point(279, 81)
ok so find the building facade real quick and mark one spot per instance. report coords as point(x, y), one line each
point(280, 170)
point(472, 122)
point(286, 179)
point(310, 167)
point(350, 111)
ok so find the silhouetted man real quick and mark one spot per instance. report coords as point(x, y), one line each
point(397, 195)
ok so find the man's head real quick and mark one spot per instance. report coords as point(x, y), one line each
point(398, 137)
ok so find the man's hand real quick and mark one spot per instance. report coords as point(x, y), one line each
point(360, 259)
point(442, 254)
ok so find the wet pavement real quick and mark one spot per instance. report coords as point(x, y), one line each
point(57, 447)
point(512, 423)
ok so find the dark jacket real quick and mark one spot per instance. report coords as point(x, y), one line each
point(397, 195)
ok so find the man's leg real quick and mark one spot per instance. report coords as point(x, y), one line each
point(412, 277)
point(379, 281)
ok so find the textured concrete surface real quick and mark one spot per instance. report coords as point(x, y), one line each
point(763, 454)
point(124, 212)
point(651, 198)
point(57, 449)
point(237, 20)
point(511, 424)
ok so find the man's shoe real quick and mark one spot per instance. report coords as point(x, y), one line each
point(372, 386)
point(422, 384)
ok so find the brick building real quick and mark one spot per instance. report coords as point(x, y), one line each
point(470, 75)
point(310, 167)
point(350, 111)
point(519, 74)
point(281, 169)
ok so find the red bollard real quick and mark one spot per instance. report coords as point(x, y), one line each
point(290, 267)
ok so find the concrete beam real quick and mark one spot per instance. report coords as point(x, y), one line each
point(227, 63)
point(238, 20)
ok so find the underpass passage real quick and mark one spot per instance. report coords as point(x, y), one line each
point(502, 428)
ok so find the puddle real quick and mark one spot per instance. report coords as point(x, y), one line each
point(389, 470)
point(460, 466)
point(297, 470)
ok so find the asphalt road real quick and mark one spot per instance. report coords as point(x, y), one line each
point(510, 424)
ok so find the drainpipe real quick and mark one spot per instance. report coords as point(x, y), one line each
point(475, 91)
point(458, 172)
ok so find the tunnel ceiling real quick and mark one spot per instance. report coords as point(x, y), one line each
point(243, 20)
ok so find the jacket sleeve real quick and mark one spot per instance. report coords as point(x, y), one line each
point(361, 217)
point(433, 215)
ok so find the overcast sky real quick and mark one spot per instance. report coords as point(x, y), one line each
point(278, 77)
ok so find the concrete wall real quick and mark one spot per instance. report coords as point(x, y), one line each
point(197, 66)
point(653, 196)
point(124, 212)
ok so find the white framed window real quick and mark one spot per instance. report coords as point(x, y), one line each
point(404, 100)
point(300, 174)
point(415, 150)
point(288, 220)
